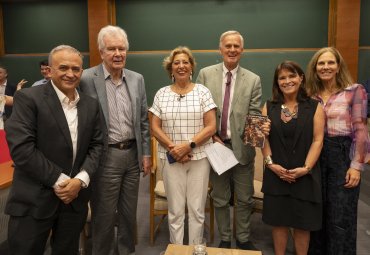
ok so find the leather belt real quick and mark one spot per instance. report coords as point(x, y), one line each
point(124, 145)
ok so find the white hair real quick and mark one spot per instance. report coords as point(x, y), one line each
point(231, 32)
point(113, 31)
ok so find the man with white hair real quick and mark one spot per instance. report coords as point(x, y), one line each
point(124, 110)
point(237, 91)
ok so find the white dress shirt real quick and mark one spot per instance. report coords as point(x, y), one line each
point(70, 112)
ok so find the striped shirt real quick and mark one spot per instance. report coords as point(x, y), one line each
point(121, 126)
point(346, 113)
point(182, 117)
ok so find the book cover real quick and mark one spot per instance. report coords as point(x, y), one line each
point(253, 134)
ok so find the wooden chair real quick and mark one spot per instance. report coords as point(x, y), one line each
point(258, 178)
point(158, 201)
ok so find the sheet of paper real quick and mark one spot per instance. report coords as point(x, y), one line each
point(220, 157)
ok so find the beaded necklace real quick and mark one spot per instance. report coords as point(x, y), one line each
point(286, 115)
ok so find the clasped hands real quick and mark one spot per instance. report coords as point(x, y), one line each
point(352, 178)
point(180, 152)
point(288, 175)
point(68, 190)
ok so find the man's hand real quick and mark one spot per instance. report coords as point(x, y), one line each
point(147, 165)
point(217, 139)
point(21, 84)
point(68, 190)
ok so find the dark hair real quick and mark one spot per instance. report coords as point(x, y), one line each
point(3, 67)
point(44, 63)
point(277, 95)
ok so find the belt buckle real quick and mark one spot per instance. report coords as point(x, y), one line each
point(121, 146)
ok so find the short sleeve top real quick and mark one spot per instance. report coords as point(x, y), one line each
point(182, 115)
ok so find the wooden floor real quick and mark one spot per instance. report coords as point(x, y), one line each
point(261, 235)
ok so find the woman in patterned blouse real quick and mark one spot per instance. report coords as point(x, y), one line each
point(184, 119)
point(343, 155)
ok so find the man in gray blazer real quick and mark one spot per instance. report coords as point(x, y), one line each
point(237, 92)
point(122, 98)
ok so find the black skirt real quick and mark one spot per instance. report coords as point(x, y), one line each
point(286, 211)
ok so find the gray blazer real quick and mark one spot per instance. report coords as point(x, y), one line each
point(246, 99)
point(93, 84)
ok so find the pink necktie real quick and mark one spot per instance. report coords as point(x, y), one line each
point(225, 107)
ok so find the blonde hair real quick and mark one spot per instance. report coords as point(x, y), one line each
point(167, 62)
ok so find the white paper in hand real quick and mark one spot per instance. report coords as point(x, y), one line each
point(220, 157)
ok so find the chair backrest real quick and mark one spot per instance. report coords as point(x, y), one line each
point(258, 164)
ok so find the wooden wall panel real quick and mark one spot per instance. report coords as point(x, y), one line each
point(100, 14)
point(344, 31)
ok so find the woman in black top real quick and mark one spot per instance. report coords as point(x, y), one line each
point(291, 183)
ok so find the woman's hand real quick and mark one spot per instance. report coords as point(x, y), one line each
point(185, 159)
point(179, 151)
point(282, 172)
point(353, 178)
point(298, 172)
point(266, 127)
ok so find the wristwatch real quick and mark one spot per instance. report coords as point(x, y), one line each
point(268, 160)
point(192, 144)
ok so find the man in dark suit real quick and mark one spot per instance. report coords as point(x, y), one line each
point(244, 97)
point(122, 98)
point(55, 140)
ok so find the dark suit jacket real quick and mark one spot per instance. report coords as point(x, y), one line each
point(93, 84)
point(10, 89)
point(41, 147)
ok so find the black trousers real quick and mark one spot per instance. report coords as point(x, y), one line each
point(339, 230)
point(28, 236)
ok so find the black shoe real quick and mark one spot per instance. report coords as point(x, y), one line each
point(246, 245)
point(224, 244)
